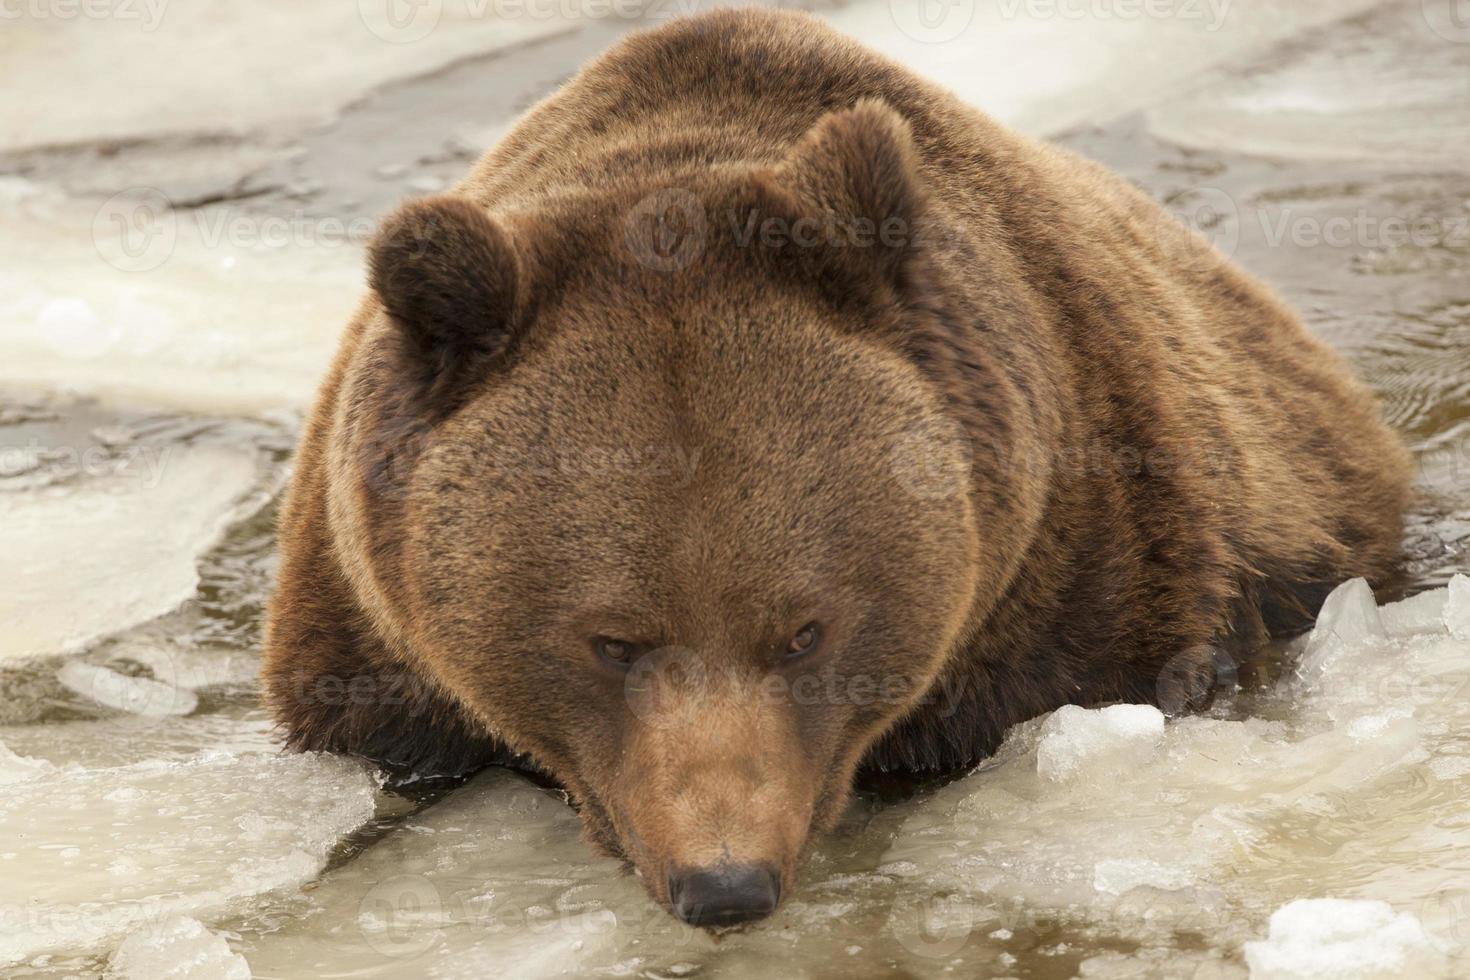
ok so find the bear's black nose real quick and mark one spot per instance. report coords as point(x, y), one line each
point(723, 895)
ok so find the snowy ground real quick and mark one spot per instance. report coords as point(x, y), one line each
point(175, 260)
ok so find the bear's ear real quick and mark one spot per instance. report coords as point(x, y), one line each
point(451, 280)
point(856, 173)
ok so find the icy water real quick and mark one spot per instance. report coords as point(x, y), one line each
point(1318, 815)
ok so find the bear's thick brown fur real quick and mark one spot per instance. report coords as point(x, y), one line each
point(747, 328)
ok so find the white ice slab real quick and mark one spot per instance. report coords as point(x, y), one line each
point(177, 949)
point(1047, 65)
point(1191, 832)
point(1389, 87)
point(229, 67)
point(217, 310)
point(110, 743)
point(1336, 939)
point(88, 855)
point(495, 880)
point(101, 554)
point(1119, 736)
point(1110, 821)
point(124, 692)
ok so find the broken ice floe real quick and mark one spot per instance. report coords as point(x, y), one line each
point(87, 855)
point(1325, 938)
point(1108, 824)
point(176, 949)
point(106, 553)
point(1160, 829)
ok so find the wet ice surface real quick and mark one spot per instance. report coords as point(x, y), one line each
point(1107, 841)
point(177, 949)
point(205, 836)
point(102, 520)
point(245, 66)
point(151, 379)
point(208, 311)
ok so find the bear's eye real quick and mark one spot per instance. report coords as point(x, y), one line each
point(618, 652)
point(805, 641)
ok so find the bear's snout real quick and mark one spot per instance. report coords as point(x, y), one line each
point(724, 895)
point(714, 796)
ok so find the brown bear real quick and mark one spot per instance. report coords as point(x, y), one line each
point(756, 412)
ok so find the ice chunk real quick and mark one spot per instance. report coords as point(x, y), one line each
point(1422, 613)
point(1188, 820)
point(185, 667)
point(135, 695)
point(250, 67)
point(1155, 832)
point(1348, 616)
point(15, 768)
point(1341, 938)
point(495, 880)
point(217, 324)
point(1103, 739)
point(114, 550)
point(1348, 621)
point(176, 949)
point(1120, 875)
point(92, 854)
point(123, 740)
point(1044, 72)
point(1457, 608)
point(1328, 97)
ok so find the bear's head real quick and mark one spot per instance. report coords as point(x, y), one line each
point(653, 485)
